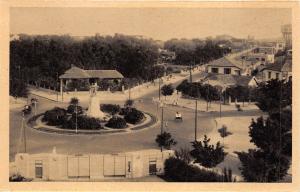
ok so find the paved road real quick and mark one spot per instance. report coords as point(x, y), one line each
point(183, 132)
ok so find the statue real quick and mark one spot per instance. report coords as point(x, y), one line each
point(94, 104)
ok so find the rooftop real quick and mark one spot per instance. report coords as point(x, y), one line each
point(229, 80)
point(282, 65)
point(226, 62)
point(78, 73)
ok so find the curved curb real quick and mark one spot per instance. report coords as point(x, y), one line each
point(32, 124)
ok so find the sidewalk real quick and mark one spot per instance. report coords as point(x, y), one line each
point(177, 100)
point(135, 92)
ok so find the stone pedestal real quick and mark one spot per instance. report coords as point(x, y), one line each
point(94, 104)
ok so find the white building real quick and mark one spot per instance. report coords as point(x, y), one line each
point(280, 70)
point(59, 167)
point(224, 65)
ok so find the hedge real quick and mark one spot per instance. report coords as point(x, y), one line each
point(134, 116)
point(83, 122)
point(55, 116)
point(116, 123)
point(179, 171)
point(110, 108)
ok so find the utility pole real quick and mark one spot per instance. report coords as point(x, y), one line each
point(23, 134)
point(76, 126)
point(57, 86)
point(159, 88)
point(129, 92)
point(162, 122)
point(196, 114)
point(220, 102)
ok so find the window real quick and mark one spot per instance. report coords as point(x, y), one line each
point(227, 70)
point(277, 75)
point(39, 169)
point(237, 72)
point(129, 166)
point(269, 75)
point(152, 167)
point(215, 70)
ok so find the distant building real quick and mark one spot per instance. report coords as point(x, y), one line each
point(224, 65)
point(85, 78)
point(265, 54)
point(286, 31)
point(281, 70)
point(59, 167)
point(225, 80)
point(280, 46)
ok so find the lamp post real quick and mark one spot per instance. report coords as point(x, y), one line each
point(76, 126)
point(24, 132)
point(159, 85)
point(162, 120)
point(56, 86)
point(196, 114)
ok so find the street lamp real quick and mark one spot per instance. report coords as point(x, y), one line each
point(162, 120)
point(76, 126)
point(57, 86)
point(159, 85)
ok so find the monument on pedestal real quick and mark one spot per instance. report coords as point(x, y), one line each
point(94, 105)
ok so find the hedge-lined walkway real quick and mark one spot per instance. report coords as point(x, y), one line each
point(36, 123)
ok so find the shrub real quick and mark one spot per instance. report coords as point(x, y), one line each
point(110, 108)
point(134, 116)
point(184, 155)
point(72, 109)
point(165, 140)
point(124, 111)
point(128, 103)
point(55, 116)
point(167, 90)
point(83, 122)
point(74, 101)
point(224, 131)
point(116, 122)
point(179, 171)
point(207, 155)
point(17, 178)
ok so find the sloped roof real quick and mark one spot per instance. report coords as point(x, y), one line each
point(229, 80)
point(285, 66)
point(225, 62)
point(77, 73)
point(104, 74)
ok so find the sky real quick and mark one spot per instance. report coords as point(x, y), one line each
point(156, 23)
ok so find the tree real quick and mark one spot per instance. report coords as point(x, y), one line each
point(167, 90)
point(165, 140)
point(261, 166)
point(207, 155)
point(18, 88)
point(272, 95)
point(184, 155)
point(74, 101)
point(273, 137)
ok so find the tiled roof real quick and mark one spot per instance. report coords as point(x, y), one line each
point(229, 80)
point(104, 74)
point(280, 66)
point(225, 62)
point(77, 73)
